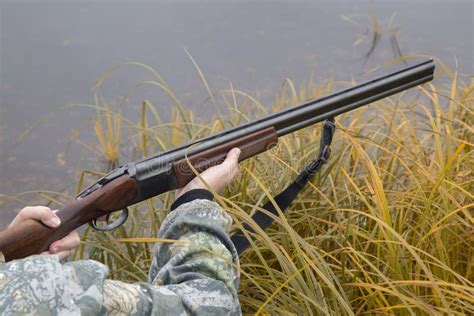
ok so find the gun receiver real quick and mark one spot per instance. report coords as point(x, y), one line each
point(141, 180)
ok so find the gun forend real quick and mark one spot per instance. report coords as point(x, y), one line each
point(250, 145)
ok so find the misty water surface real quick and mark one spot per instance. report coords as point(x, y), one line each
point(53, 52)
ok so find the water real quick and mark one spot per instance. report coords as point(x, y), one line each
point(53, 52)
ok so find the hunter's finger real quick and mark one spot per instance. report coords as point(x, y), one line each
point(72, 240)
point(228, 168)
point(40, 213)
point(63, 254)
point(232, 157)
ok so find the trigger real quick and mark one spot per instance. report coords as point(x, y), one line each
point(111, 225)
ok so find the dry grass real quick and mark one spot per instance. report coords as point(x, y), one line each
point(107, 128)
point(386, 228)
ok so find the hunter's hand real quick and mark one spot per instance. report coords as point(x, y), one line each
point(217, 177)
point(61, 247)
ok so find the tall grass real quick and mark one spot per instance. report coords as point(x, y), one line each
point(107, 128)
point(386, 228)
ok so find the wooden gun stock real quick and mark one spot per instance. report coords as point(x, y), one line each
point(250, 145)
point(33, 237)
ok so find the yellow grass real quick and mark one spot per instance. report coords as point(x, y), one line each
point(107, 128)
point(386, 228)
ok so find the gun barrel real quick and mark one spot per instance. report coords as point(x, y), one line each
point(350, 99)
point(306, 114)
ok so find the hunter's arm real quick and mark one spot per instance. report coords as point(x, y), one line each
point(198, 275)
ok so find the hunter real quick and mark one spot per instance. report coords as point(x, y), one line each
point(198, 275)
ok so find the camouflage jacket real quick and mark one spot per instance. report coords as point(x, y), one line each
point(196, 276)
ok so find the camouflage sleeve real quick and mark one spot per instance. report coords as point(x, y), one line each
point(197, 275)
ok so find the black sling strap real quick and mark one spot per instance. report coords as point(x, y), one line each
point(287, 196)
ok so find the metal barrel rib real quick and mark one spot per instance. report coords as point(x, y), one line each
point(306, 114)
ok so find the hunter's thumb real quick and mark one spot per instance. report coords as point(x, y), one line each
point(233, 156)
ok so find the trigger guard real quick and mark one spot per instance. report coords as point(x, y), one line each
point(119, 222)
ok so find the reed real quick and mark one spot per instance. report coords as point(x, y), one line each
point(107, 128)
point(386, 228)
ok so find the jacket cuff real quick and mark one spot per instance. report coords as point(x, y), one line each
point(196, 194)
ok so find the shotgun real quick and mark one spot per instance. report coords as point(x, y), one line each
point(137, 181)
